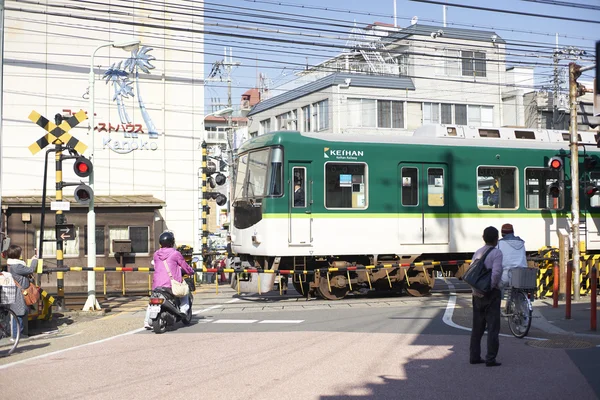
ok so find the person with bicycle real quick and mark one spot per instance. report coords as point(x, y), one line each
point(513, 253)
point(20, 273)
point(486, 306)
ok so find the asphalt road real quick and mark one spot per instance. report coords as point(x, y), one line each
point(290, 348)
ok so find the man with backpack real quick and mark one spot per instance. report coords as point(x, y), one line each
point(486, 306)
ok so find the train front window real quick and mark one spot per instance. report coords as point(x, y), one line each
point(259, 174)
point(543, 189)
point(497, 188)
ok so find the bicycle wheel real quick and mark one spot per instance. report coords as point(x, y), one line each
point(519, 314)
point(8, 342)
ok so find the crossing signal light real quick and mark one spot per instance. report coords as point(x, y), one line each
point(590, 163)
point(591, 191)
point(554, 190)
point(219, 198)
point(83, 194)
point(555, 163)
point(82, 167)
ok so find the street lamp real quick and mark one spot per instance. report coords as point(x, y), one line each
point(91, 302)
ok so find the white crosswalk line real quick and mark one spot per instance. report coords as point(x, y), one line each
point(281, 321)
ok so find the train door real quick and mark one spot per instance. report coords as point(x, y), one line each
point(423, 207)
point(300, 206)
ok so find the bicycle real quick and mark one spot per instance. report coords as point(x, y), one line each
point(8, 321)
point(519, 300)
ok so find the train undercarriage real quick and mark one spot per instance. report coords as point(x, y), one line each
point(333, 278)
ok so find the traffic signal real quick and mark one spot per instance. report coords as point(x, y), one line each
point(214, 179)
point(82, 167)
point(83, 194)
point(555, 163)
point(591, 191)
point(590, 163)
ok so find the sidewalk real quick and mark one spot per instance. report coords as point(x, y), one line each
point(553, 320)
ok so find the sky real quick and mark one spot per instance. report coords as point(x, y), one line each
point(323, 25)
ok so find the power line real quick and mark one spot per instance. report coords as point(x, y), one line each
point(566, 4)
point(443, 3)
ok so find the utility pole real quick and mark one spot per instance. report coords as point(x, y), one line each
point(575, 90)
point(221, 70)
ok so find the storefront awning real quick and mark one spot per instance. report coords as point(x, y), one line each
point(99, 201)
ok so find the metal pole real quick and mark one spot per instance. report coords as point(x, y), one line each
point(43, 213)
point(92, 303)
point(574, 178)
point(555, 287)
point(568, 294)
point(593, 298)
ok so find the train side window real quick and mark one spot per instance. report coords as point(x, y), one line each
point(299, 188)
point(346, 185)
point(567, 137)
point(410, 186)
point(435, 187)
point(543, 189)
point(525, 135)
point(497, 188)
point(595, 180)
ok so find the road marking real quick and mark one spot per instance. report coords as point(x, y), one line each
point(282, 321)
point(235, 321)
point(447, 318)
point(5, 366)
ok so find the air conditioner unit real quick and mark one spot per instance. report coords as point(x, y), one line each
point(245, 106)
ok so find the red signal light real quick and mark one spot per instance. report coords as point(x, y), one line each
point(555, 163)
point(591, 191)
point(82, 167)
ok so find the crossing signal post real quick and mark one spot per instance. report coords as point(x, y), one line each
point(57, 134)
point(211, 178)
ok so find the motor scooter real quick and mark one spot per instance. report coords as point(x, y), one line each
point(165, 308)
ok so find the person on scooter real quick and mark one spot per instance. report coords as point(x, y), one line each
point(177, 265)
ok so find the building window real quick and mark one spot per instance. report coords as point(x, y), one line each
point(473, 63)
point(480, 116)
point(497, 188)
point(265, 126)
point(345, 185)
point(306, 119)
point(70, 247)
point(287, 121)
point(543, 189)
point(321, 114)
point(138, 235)
point(370, 113)
point(460, 114)
point(446, 110)
point(100, 247)
point(452, 63)
point(431, 113)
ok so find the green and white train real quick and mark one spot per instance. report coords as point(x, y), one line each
point(375, 199)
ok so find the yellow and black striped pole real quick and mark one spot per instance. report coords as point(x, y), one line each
point(60, 219)
point(204, 207)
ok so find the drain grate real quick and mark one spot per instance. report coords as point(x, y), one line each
point(560, 344)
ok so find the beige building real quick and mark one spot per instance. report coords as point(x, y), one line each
point(149, 122)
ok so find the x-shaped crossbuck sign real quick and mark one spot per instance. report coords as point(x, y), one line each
point(57, 134)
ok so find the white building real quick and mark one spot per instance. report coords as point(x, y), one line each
point(148, 124)
point(398, 81)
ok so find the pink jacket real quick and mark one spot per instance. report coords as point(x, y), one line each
point(176, 264)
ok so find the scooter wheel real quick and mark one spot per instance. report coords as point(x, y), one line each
point(159, 325)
